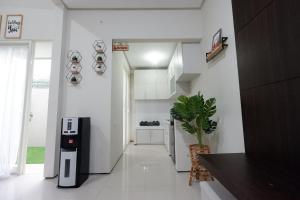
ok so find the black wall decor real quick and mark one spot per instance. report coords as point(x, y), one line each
point(268, 40)
point(74, 67)
point(99, 56)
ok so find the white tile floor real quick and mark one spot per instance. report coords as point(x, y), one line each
point(36, 169)
point(143, 173)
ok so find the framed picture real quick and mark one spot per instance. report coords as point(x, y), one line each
point(217, 39)
point(13, 26)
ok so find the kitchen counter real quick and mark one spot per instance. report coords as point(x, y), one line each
point(150, 127)
point(249, 179)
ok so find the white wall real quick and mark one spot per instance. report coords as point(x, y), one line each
point(34, 21)
point(38, 124)
point(149, 110)
point(93, 96)
point(126, 107)
point(133, 123)
point(120, 70)
point(40, 23)
point(152, 110)
point(219, 78)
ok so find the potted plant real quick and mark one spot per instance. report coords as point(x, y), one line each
point(195, 114)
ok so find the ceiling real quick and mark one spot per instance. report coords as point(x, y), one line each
point(133, 4)
point(150, 54)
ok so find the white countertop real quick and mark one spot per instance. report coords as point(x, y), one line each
point(150, 127)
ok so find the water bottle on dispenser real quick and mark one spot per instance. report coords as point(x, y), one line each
point(74, 152)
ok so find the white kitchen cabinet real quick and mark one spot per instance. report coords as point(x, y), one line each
point(151, 84)
point(183, 68)
point(157, 137)
point(187, 61)
point(149, 135)
point(142, 136)
point(178, 62)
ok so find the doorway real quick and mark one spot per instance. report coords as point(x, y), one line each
point(37, 126)
point(145, 88)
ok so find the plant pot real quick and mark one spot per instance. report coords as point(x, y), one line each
point(198, 171)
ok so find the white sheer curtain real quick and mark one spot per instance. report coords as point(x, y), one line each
point(13, 68)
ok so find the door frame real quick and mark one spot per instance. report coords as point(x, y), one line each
point(26, 131)
point(21, 159)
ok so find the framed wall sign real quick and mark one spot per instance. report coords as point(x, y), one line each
point(13, 26)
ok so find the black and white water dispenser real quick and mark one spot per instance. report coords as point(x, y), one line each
point(74, 152)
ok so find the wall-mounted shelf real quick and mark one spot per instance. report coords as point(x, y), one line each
point(211, 55)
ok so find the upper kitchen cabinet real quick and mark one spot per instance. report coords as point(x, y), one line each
point(183, 68)
point(186, 62)
point(151, 84)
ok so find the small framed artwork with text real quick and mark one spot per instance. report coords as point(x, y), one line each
point(14, 25)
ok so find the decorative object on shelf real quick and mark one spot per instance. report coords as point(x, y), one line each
point(218, 45)
point(74, 67)
point(14, 25)
point(146, 123)
point(99, 56)
point(195, 114)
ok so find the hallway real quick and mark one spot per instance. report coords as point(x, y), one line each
point(144, 172)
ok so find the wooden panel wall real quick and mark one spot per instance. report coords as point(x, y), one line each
point(268, 51)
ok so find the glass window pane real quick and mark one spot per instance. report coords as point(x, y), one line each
point(43, 50)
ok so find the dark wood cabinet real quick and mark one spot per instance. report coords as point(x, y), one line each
point(267, 47)
point(268, 41)
point(271, 123)
point(245, 10)
point(249, 179)
point(288, 18)
point(264, 125)
point(259, 56)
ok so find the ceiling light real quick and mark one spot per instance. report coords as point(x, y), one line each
point(154, 57)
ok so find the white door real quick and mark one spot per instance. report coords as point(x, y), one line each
point(39, 94)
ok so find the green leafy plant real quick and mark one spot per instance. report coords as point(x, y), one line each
point(195, 114)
